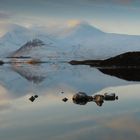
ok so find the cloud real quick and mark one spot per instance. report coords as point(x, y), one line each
point(118, 127)
point(4, 99)
point(125, 2)
point(120, 124)
point(73, 22)
point(114, 2)
point(5, 15)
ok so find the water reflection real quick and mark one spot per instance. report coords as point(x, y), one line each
point(21, 79)
point(129, 74)
point(30, 72)
point(53, 119)
point(57, 113)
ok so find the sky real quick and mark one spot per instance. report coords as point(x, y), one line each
point(115, 16)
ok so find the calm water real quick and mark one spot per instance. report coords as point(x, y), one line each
point(48, 117)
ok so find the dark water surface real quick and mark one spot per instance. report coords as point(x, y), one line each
point(48, 117)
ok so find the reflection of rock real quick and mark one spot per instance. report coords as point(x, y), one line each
point(34, 61)
point(100, 103)
point(129, 74)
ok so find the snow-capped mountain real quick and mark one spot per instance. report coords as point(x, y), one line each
point(35, 48)
point(81, 31)
point(82, 41)
point(13, 39)
point(18, 36)
point(92, 43)
point(27, 47)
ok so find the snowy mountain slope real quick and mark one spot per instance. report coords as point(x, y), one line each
point(14, 38)
point(108, 45)
point(27, 47)
point(35, 48)
point(18, 36)
point(80, 33)
point(82, 41)
point(92, 43)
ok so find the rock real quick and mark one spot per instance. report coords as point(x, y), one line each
point(32, 98)
point(36, 96)
point(110, 97)
point(81, 98)
point(99, 99)
point(117, 98)
point(65, 99)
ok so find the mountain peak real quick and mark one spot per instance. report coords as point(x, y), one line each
point(32, 44)
point(81, 31)
point(86, 27)
point(35, 43)
point(15, 27)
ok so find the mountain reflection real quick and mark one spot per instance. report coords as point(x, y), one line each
point(31, 73)
point(129, 74)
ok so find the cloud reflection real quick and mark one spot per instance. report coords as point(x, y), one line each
point(51, 118)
